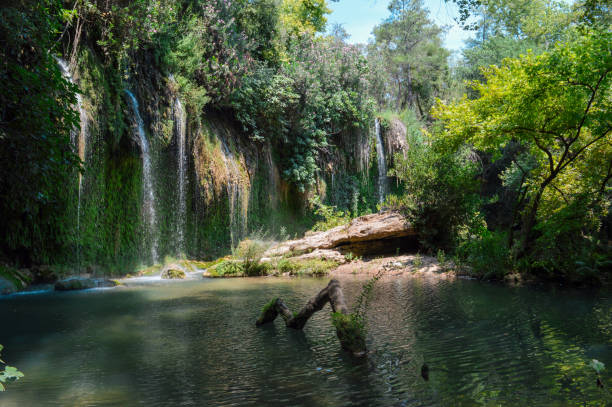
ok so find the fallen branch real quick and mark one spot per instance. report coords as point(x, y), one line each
point(350, 331)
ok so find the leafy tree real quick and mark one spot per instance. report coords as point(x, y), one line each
point(320, 95)
point(556, 106)
point(440, 190)
point(509, 28)
point(410, 46)
point(299, 17)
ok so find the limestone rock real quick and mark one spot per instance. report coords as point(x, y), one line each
point(371, 234)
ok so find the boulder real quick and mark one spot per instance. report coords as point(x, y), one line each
point(7, 286)
point(378, 233)
point(80, 283)
point(43, 274)
point(171, 273)
point(323, 254)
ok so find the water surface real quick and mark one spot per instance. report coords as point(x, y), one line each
point(195, 344)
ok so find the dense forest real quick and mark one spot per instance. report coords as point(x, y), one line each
point(134, 130)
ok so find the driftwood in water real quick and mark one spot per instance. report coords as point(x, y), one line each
point(350, 332)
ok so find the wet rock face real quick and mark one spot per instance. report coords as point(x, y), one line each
point(378, 233)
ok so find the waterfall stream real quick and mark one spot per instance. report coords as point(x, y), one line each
point(180, 128)
point(148, 199)
point(382, 164)
point(238, 214)
point(79, 142)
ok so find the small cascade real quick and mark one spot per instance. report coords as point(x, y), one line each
point(180, 131)
point(382, 164)
point(237, 208)
point(148, 196)
point(79, 142)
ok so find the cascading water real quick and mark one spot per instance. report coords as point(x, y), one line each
point(235, 197)
point(382, 164)
point(148, 196)
point(79, 142)
point(180, 128)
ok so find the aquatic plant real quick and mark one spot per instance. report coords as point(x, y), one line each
point(10, 374)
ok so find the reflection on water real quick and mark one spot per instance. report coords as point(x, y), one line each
point(195, 343)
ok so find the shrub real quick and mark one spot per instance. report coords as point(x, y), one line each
point(250, 252)
point(487, 254)
point(329, 216)
point(440, 191)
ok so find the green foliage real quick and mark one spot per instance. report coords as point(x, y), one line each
point(36, 121)
point(350, 257)
point(597, 366)
point(329, 216)
point(17, 278)
point(440, 191)
point(556, 106)
point(319, 96)
point(314, 267)
point(10, 374)
point(363, 301)
point(418, 260)
point(227, 268)
point(486, 252)
point(250, 252)
point(408, 47)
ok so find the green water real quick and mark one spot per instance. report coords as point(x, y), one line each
point(195, 344)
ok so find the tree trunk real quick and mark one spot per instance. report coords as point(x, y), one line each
point(350, 332)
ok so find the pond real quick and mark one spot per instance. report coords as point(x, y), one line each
point(194, 343)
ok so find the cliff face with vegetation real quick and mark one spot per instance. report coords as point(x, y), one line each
point(232, 141)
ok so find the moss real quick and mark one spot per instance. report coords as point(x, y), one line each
point(269, 305)
point(227, 268)
point(172, 274)
point(13, 276)
point(350, 332)
point(268, 312)
point(314, 267)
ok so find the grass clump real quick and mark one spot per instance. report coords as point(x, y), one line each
point(250, 252)
point(314, 267)
point(227, 268)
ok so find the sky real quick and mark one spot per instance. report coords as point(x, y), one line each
point(358, 17)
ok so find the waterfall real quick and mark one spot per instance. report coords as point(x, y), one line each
point(79, 143)
point(180, 128)
point(382, 164)
point(238, 213)
point(148, 196)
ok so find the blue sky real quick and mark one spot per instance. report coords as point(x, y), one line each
point(358, 17)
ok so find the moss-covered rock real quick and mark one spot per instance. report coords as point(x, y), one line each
point(75, 283)
point(173, 274)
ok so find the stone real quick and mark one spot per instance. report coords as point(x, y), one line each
point(6, 286)
point(75, 283)
point(80, 283)
point(171, 273)
point(379, 233)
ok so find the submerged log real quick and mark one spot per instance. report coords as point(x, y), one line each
point(350, 331)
